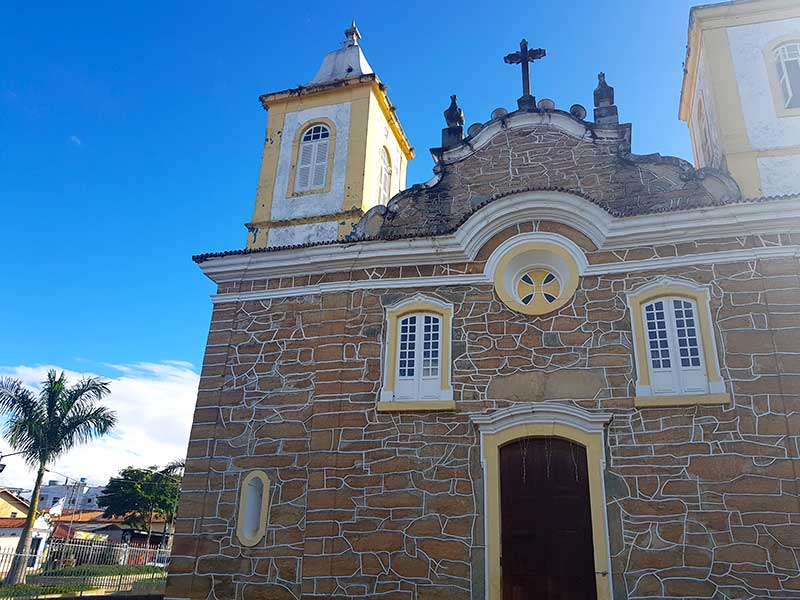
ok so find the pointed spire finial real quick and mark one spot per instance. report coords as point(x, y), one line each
point(352, 34)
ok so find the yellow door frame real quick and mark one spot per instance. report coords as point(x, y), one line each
point(543, 420)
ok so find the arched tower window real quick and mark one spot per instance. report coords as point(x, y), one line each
point(312, 159)
point(787, 61)
point(384, 177)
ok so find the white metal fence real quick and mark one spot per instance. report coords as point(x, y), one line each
point(78, 566)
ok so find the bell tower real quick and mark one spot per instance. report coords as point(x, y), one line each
point(334, 148)
point(741, 92)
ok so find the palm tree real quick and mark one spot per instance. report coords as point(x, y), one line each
point(44, 426)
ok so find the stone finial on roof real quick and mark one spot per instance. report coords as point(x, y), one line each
point(603, 93)
point(352, 35)
point(348, 62)
point(605, 112)
point(454, 115)
point(454, 132)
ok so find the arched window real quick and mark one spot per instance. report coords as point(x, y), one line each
point(787, 61)
point(312, 159)
point(417, 356)
point(384, 177)
point(674, 347)
point(253, 515)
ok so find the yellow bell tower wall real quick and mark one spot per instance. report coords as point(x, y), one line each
point(740, 118)
point(360, 122)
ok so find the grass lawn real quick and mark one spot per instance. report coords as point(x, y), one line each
point(32, 590)
point(102, 571)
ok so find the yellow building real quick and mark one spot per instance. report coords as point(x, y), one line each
point(12, 506)
point(741, 92)
point(334, 148)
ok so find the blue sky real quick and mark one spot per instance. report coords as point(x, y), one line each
point(132, 135)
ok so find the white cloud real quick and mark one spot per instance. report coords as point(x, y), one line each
point(76, 141)
point(154, 403)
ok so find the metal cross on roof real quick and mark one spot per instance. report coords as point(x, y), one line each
point(523, 57)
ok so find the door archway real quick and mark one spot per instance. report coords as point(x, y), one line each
point(575, 425)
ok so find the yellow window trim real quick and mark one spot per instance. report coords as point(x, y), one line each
point(416, 406)
point(417, 304)
point(514, 259)
point(670, 287)
point(296, 151)
point(682, 400)
point(244, 500)
point(566, 422)
point(774, 82)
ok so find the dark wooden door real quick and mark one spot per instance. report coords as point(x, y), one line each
point(547, 551)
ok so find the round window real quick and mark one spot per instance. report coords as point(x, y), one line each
point(537, 277)
point(538, 286)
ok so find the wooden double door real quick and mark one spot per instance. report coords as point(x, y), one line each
point(547, 550)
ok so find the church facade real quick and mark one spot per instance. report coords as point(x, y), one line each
point(556, 370)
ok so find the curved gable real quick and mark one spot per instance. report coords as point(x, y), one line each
point(546, 151)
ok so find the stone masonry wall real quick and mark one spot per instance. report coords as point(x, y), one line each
point(702, 502)
point(545, 157)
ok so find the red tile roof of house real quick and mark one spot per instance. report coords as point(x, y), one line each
point(11, 522)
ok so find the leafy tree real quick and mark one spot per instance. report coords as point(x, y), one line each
point(44, 426)
point(139, 495)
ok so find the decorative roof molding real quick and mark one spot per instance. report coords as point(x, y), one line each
point(566, 122)
point(629, 184)
point(605, 231)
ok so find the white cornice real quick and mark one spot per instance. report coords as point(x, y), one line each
point(545, 412)
point(634, 266)
point(605, 231)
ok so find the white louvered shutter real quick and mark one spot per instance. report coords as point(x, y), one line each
point(305, 163)
point(320, 168)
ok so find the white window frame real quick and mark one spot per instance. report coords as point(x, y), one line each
point(675, 378)
point(312, 158)
point(434, 392)
point(384, 176)
point(426, 339)
point(675, 389)
point(790, 90)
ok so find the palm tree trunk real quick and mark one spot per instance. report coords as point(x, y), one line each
point(19, 567)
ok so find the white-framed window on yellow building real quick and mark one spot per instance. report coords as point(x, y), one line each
point(674, 345)
point(311, 169)
point(416, 374)
point(787, 62)
point(384, 177)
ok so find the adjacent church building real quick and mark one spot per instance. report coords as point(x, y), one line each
point(557, 370)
